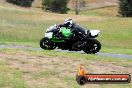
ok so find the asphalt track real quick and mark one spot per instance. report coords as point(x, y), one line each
point(124, 56)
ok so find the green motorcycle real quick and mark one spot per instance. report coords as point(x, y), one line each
point(66, 40)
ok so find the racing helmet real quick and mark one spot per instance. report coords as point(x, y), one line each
point(68, 22)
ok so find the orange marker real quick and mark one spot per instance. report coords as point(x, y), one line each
point(81, 71)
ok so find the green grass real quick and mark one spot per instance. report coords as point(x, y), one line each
point(7, 81)
point(23, 26)
point(26, 27)
point(115, 34)
point(71, 81)
point(103, 11)
point(44, 74)
point(10, 77)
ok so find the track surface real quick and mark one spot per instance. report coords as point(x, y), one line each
point(59, 50)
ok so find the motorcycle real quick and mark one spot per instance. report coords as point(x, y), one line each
point(66, 40)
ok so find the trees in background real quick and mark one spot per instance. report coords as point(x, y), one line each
point(125, 8)
point(77, 5)
point(58, 6)
point(24, 3)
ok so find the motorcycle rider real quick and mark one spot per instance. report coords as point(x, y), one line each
point(75, 29)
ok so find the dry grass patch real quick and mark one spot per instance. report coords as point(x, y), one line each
point(47, 71)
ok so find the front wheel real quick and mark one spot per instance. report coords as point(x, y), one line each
point(46, 44)
point(92, 47)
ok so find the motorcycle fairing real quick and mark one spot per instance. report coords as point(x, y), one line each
point(94, 32)
point(65, 32)
point(49, 35)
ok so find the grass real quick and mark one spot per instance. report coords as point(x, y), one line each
point(51, 69)
point(24, 26)
point(77, 56)
point(44, 73)
point(115, 34)
point(8, 81)
point(10, 77)
point(104, 11)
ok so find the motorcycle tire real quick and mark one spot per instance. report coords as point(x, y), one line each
point(92, 47)
point(46, 44)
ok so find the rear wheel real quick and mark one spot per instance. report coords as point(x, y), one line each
point(46, 44)
point(92, 47)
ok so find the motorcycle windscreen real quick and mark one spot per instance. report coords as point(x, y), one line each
point(65, 32)
point(49, 35)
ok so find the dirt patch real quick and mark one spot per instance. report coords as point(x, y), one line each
point(40, 71)
point(107, 67)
